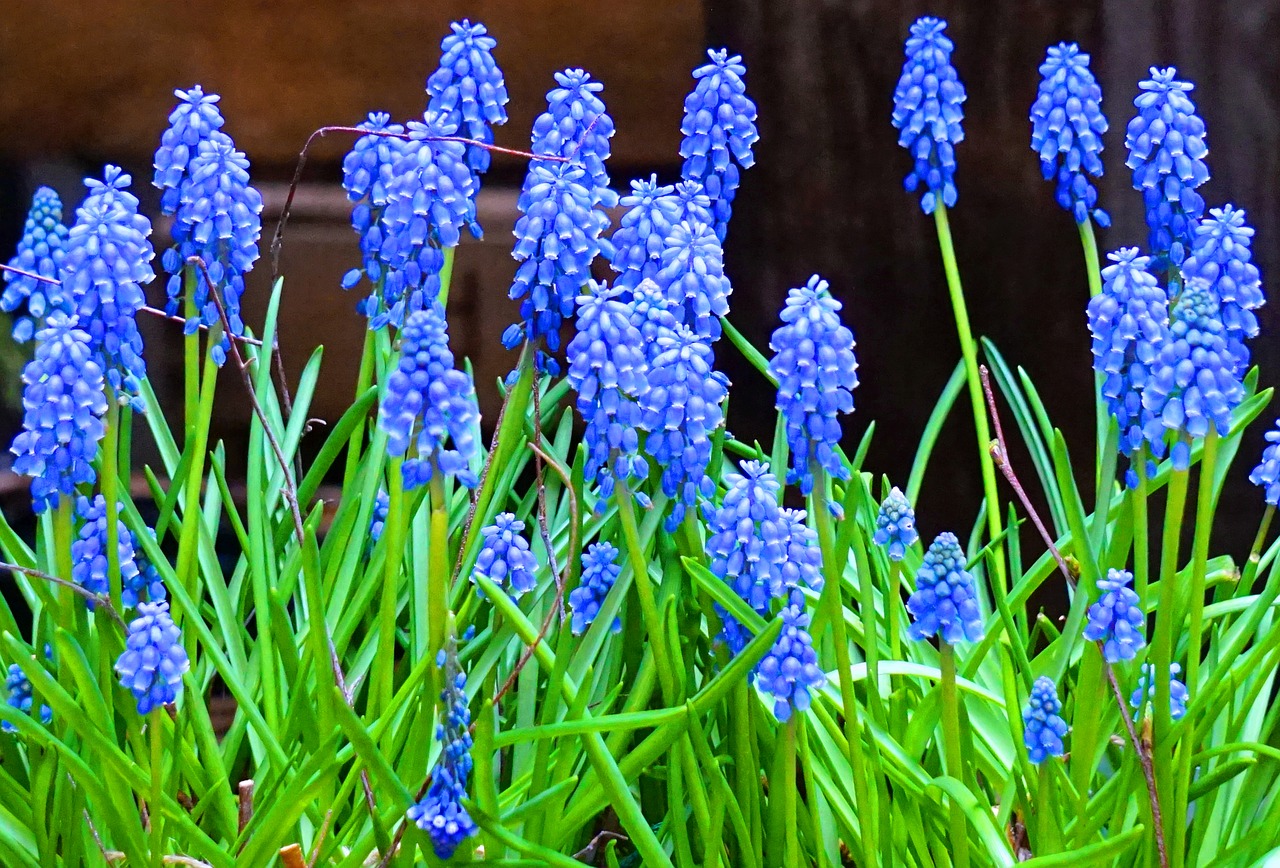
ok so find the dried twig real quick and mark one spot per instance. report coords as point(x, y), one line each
point(324, 831)
point(291, 856)
point(88, 595)
point(589, 852)
point(245, 805)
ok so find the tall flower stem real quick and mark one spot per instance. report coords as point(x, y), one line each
point(155, 815)
point(951, 743)
point(1255, 553)
point(111, 494)
point(438, 567)
point(1162, 644)
point(394, 530)
point(196, 445)
point(644, 589)
point(1091, 263)
point(364, 379)
point(1141, 555)
point(970, 351)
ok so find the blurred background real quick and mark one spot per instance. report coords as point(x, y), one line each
point(86, 83)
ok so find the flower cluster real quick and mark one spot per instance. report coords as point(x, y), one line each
point(40, 251)
point(653, 210)
point(1267, 473)
point(505, 558)
point(1220, 255)
point(944, 602)
point(577, 128)
point(927, 111)
point(1043, 726)
point(1147, 690)
point(367, 175)
point(600, 570)
point(816, 371)
point(428, 402)
point(467, 90)
point(790, 671)
point(381, 508)
point(681, 410)
point(719, 129)
point(652, 313)
point(154, 660)
point(1166, 153)
point(608, 370)
point(64, 402)
point(20, 697)
point(1117, 619)
point(440, 813)
point(107, 261)
point(896, 525)
point(1067, 124)
point(195, 119)
point(692, 276)
point(138, 578)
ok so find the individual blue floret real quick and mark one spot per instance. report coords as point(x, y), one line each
point(20, 695)
point(600, 570)
point(815, 367)
point(1220, 255)
point(1067, 125)
point(1146, 691)
point(428, 402)
point(790, 672)
point(139, 579)
point(927, 111)
point(505, 558)
point(154, 660)
point(719, 129)
point(378, 521)
point(896, 525)
point(1043, 726)
point(944, 603)
point(1116, 619)
point(1267, 473)
point(468, 89)
point(40, 252)
point(195, 119)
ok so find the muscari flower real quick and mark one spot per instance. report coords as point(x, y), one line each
point(107, 261)
point(944, 603)
point(40, 251)
point(64, 402)
point(505, 558)
point(20, 694)
point(896, 525)
point(1267, 473)
point(378, 521)
point(652, 313)
point(428, 402)
point(1166, 153)
point(575, 126)
point(1128, 321)
point(139, 579)
point(1067, 124)
point(440, 813)
point(692, 275)
point(1147, 691)
point(1043, 726)
point(367, 174)
point(608, 370)
point(927, 111)
point(467, 89)
point(681, 410)
point(1192, 385)
point(1220, 254)
point(195, 119)
point(600, 570)
point(652, 212)
point(815, 367)
point(719, 128)
point(1117, 619)
point(218, 219)
point(154, 660)
point(790, 671)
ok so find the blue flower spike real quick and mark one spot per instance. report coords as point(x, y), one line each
point(600, 569)
point(1067, 125)
point(1221, 256)
point(1116, 619)
point(1267, 474)
point(719, 130)
point(140, 581)
point(368, 171)
point(944, 603)
point(896, 525)
point(154, 660)
point(1042, 725)
point(40, 252)
point(928, 106)
point(653, 211)
point(194, 120)
point(790, 671)
point(1146, 691)
point(468, 88)
point(505, 558)
point(20, 695)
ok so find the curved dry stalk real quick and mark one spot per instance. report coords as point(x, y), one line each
point(89, 596)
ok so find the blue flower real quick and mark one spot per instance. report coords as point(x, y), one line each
point(927, 111)
point(1067, 124)
point(944, 603)
point(558, 237)
point(138, 578)
point(652, 212)
point(896, 525)
point(378, 521)
point(1043, 726)
point(505, 558)
point(1147, 691)
point(576, 126)
point(154, 660)
point(195, 119)
point(719, 128)
point(1192, 385)
point(802, 567)
point(108, 260)
point(1220, 254)
point(428, 402)
point(790, 671)
point(40, 251)
point(1117, 619)
point(467, 89)
point(1128, 321)
point(599, 571)
point(608, 370)
point(652, 313)
point(367, 176)
point(1166, 153)
point(815, 367)
point(20, 694)
point(1267, 473)
point(440, 813)
point(64, 402)
point(681, 411)
point(692, 275)
point(219, 219)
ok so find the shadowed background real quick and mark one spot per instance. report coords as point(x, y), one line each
point(88, 83)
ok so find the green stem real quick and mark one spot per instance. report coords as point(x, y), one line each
point(111, 496)
point(1141, 555)
point(394, 529)
point(746, 781)
point(197, 445)
point(1255, 552)
point(190, 355)
point(1162, 645)
point(970, 351)
point(644, 590)
point(1091, 263)
point(437, 567)
point(363, 381)
point(954, 758)
point(791, 847)
point(157, 788)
